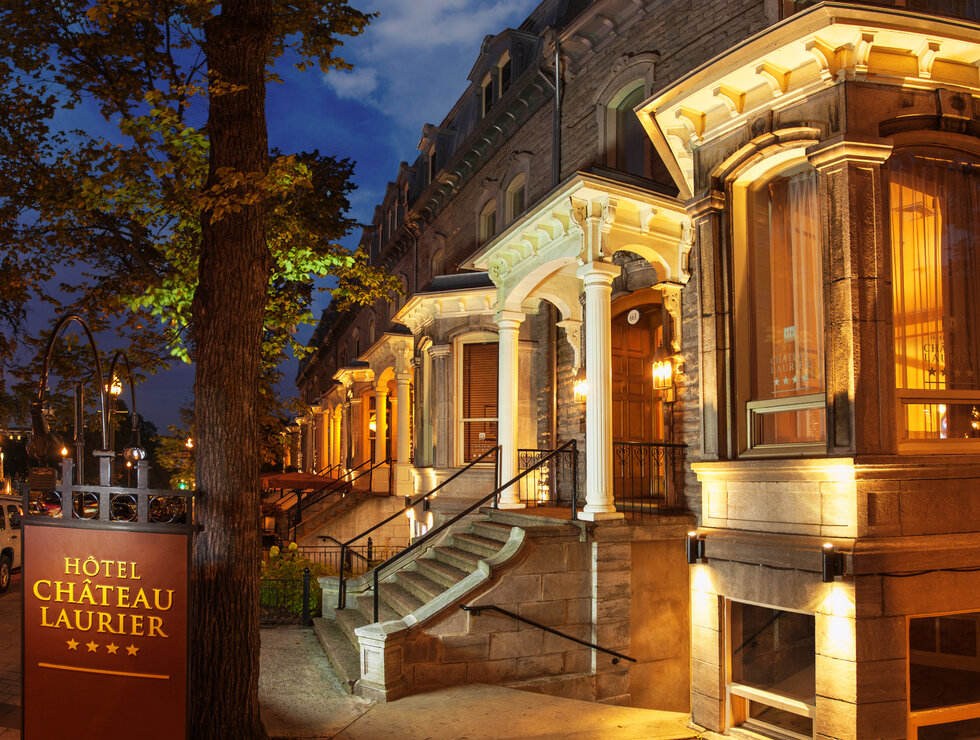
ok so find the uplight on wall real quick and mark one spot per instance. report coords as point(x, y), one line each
point(580, 389)
point(663, 375)
point(833, 563)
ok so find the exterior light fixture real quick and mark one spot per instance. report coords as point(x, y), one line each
point(833, 563)
point(115, 387)
point(695, 548)
point(580, 389)
point(64, 452)
point(373, 423)
point(663, 374)
point(189, 444)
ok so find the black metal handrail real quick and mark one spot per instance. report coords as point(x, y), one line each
point(645, 477)
point(410, 504)
point(329, 470)
point(447, 524)
point(475, 610)
point(345, 484)
point(340, 544)
point(560, 491)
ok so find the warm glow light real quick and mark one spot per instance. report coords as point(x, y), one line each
point(580, 389)
point(662, 374)
point(64, 452)
point(115, 388)
point(373, 423)
point(189, 444)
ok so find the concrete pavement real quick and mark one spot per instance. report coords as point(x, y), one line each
point(301, 698)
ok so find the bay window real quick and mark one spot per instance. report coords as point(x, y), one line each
point(935, 234)
point(781, 314)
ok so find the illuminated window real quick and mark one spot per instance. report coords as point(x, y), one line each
point(477, 368)
point(487, 94)
point(504, 72)
point(944, 676)
point(784, 383)
point(488, 222)
point(773, 670)
point(935, 231)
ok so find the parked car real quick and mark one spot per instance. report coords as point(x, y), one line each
point(10, 545)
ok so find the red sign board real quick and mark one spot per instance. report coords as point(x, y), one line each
point(105, 633)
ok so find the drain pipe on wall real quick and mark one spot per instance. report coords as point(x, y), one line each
point(556, 133)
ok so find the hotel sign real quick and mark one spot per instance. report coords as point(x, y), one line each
point(105, 632)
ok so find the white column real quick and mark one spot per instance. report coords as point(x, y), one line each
point(598, 277)
point(404, 480)
point(442, 407)
point(509, 325)
point(379, 478)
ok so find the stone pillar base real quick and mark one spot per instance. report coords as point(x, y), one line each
point(379, 478)
point(404, 479)
point(382, 664)
point(596, 516)
point(511, 505)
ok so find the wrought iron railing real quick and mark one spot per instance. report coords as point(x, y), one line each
point(391, 566)
point(646, 478)
point(343, 486)
point(411, 503)
point(552, 484)
point(475, 611)
point(288, 600)
point(356, 559)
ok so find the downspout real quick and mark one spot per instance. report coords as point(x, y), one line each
point(553, 342)
point(556, 133)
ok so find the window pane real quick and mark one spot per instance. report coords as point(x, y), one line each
point(789, 427)
point(786, 295)
point(774, 650)
point(479, 399)
point(763, 713)
point(630, 137)
point(968, 729)
point(935, 227)
point(944, 664)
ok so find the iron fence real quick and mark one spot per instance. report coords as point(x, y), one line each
point(646, 478)
point(285, 601)
point(555, 483)
point(359, 558)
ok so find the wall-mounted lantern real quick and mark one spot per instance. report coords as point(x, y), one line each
point(663, 375)
point(580, 389)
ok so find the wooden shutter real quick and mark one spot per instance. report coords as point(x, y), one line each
point(479, 399)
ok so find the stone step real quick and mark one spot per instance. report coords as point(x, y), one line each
point(440, 572)
point(349, 620)
point(476, 544)
point(401, 601)
point(418, 584)
point(492, 530)
point(456, 557)
point(344, 658)
point(365, 604)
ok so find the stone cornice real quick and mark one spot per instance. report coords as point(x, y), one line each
point(422, 309)
point(831, 43)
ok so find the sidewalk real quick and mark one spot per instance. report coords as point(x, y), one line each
point(301, 698)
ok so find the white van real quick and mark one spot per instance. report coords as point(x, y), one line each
point(10, 515)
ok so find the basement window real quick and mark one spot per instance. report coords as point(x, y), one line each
point(944, 676)
point(773, 670)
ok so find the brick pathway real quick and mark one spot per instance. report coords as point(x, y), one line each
point(10, 674)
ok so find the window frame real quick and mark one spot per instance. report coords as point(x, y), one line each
point(748, 409)
point(518, 183)
point(738, 696)
point(459, 422)
point(487, 211)
point(951, 445)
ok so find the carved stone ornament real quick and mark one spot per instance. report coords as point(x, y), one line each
point(573, 334)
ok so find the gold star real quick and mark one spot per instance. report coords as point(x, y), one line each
point(92, 646)
point(72, 645)
point(132, 649)
point(112, 648)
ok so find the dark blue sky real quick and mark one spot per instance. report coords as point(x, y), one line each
point(410, 67)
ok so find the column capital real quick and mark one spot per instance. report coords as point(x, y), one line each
point(381, 390)
point(403, 377)
point(507, 319)
point(843, 148)
point(440, 350)
point(598, 272)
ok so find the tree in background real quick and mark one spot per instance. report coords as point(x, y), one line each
point(177, 221)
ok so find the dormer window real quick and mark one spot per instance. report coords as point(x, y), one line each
point(488, 98)
point(516, 197)
point(504, 68)
point(433, 168)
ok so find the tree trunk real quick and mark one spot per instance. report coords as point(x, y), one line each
point(228, 318)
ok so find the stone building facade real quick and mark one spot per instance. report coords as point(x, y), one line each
point(782, 199)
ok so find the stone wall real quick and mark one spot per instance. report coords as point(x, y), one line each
point(364, 515)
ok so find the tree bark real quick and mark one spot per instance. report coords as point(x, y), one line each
point(228, 318)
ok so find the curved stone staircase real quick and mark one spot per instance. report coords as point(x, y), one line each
point(440, 577)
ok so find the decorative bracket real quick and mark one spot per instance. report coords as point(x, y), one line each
point(573, 333)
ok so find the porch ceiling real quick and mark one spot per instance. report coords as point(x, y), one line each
point(586, 218)
point(831, 43)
